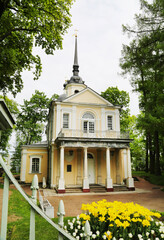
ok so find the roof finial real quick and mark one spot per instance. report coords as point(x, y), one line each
point(75, 78)
point(75, 65)
point(75, 34)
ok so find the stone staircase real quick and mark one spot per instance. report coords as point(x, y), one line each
point(96, 188)
point(73, 190)
point(120, 188)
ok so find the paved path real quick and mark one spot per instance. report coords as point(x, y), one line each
point(146, 194)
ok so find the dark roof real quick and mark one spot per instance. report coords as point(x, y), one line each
point(61, 98)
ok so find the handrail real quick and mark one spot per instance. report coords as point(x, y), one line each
point(35, 207)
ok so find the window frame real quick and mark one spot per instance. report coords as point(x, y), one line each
point(88, 124)
point(68, 120)
point(31, 163)
point(110, 122)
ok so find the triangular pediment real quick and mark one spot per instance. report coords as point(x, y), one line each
point(87, 96)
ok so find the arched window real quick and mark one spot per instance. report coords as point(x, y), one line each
point(88, 123)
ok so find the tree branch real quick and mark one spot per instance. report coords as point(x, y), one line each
point(17, 29)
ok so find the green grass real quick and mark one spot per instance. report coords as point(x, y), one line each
point(19, 210)
point(157, 180)
point(19, 215)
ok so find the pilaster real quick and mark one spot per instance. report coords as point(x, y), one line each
point(79, 178)
point(99, 177)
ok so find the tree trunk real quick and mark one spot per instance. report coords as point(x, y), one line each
point(157, 154)
point(152, 157)
point(147, 154)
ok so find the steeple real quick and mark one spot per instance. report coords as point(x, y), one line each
point(75, 78)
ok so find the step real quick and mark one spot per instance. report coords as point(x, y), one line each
point(73, 190)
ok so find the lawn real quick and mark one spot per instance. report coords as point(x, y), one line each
point(157, 180)
point(19, 220)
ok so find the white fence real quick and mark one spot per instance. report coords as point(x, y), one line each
point(62, 234)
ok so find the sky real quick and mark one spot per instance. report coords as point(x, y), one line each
point(100, 39)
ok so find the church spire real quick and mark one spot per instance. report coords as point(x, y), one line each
point(75, 56)
point(75, 78)
point(75, 65)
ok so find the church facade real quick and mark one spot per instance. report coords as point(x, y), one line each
point(84, 143)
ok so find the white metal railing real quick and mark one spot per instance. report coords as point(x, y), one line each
point(62, 234)
point(96, 134)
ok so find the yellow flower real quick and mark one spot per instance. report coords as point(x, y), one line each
point(102, 219)
point(108, 234)
point(118, 223)
point(145, 223)
point(125, 224)
point(84, 216)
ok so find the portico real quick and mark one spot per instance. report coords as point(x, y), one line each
point(92, 161)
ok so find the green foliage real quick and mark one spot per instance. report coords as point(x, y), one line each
point(143, 60)
point(122, 99)
point(137, 146)
point(31, 121)
point(24, 24)
point(32, 115)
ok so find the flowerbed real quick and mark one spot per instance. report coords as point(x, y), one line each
point(117, 221)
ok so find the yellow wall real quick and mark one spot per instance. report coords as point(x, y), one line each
point(87, 97)
point(44, 158)
point(70, 177)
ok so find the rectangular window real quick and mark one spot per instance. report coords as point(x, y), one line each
point(65, 120)
point(91, 127)
point(85, 126)
point(69, 168)
point(35, 165)
point(109, 122)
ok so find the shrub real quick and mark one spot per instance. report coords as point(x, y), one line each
point(117, 221)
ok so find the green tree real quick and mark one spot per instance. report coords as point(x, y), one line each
point(31, 121)
point(137, 146)
point(143, 60)
point(24, 24)
point(122, 99)
point(5, 137)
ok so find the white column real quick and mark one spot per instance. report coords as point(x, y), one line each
point(130, 180)
point(109, 183)
point(85, 173)
point(61, 187)
point(23, 165)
